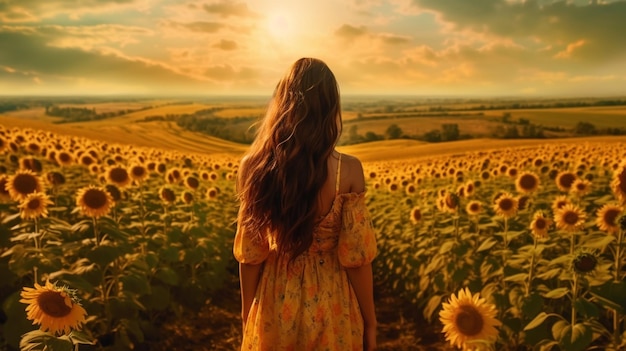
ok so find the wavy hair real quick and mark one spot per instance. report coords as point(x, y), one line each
point(286, 166)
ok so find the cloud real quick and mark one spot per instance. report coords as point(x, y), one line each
point(227, 45)
point(552, 23)
point(58, 68)
point(37, 10)
point(200, 26)
point(227, 8)
point(350, 32)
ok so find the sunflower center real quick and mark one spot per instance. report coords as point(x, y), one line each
point(474, 207)
point(138, 171)
point(64, 157)
point(469, 321)
point(53, 304)
point(622, 180)
point(417, 215)
point(585, 263)
point(528, 182)
point(34, 204)
point(610, 216)
point(118, 175)
point(540, 223)
point(506, 204)
point(570, 217)
point(95, 198)
point(566, 180)
point(25, 183)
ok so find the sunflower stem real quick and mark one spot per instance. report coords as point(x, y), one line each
point(616, 314)
point(532, 266)
point(95, 230)
point(574, 296)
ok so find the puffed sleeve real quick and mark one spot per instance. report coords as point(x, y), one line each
point(250, 247)
point(357, 239)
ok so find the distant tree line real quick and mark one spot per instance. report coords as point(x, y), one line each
point(6, 106)
point(81, 114)
point(237, 129)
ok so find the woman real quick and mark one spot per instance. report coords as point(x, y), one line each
point(304, 239)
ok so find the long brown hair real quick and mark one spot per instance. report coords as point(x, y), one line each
point(286, 166)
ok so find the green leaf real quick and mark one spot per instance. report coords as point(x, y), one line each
point(560, 329)
point(611, 294)
point(576, 338)
point(103, 255)
point(556, 293)
point(520, 277)
point(79, 337)
point(159, 299)
point(541, 317)
point(487, 244)
point(446, 247)
point(136, 282)
point(532, 305)
point(433, 304)
point(550, 274)
point(586, 308)
point(598, 241)
point(167, 276)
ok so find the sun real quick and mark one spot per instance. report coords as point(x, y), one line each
point(280, 25)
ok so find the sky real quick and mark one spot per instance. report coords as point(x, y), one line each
point(534, 48)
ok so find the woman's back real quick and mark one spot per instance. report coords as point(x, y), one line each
point(307, 303)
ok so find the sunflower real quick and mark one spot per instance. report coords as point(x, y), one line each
point(569, 218)
point(474, 208)
point(559, 202)
point(470, 188)
point(505, 205)
point(187, 197)
point(540, 225)
point(114, 191)
point(581, 187)
point(449, 202)
point(167, 194)
point(86, 160)
point(410, 189)
point(31, 163)
point(607, 216)
point(138, 172)
point(4, 193)
point(22, 183)
point(415, 215)
point(618, 184)
point(192, 182)
point(64, 158)
point(55, 309)
point(585, 261)
point(527, 182)
point(94, 201)
point(55, 178)
point(3, 144)
point(212, 193)
point(564, 180)
point(34, 205)
point(468, 318)
point(118, 175)
point(392, 187)
point(173, 176)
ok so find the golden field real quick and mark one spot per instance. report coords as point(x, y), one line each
point(533, 226)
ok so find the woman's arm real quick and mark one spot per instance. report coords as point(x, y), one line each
point(362, 281)
point(249, 280)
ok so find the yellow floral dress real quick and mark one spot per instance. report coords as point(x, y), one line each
point(309, 303)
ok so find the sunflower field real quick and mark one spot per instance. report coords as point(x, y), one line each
point(511, 249)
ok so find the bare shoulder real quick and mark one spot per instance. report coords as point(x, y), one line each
point(353, 170)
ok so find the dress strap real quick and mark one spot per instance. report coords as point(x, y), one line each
point(338, 175)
